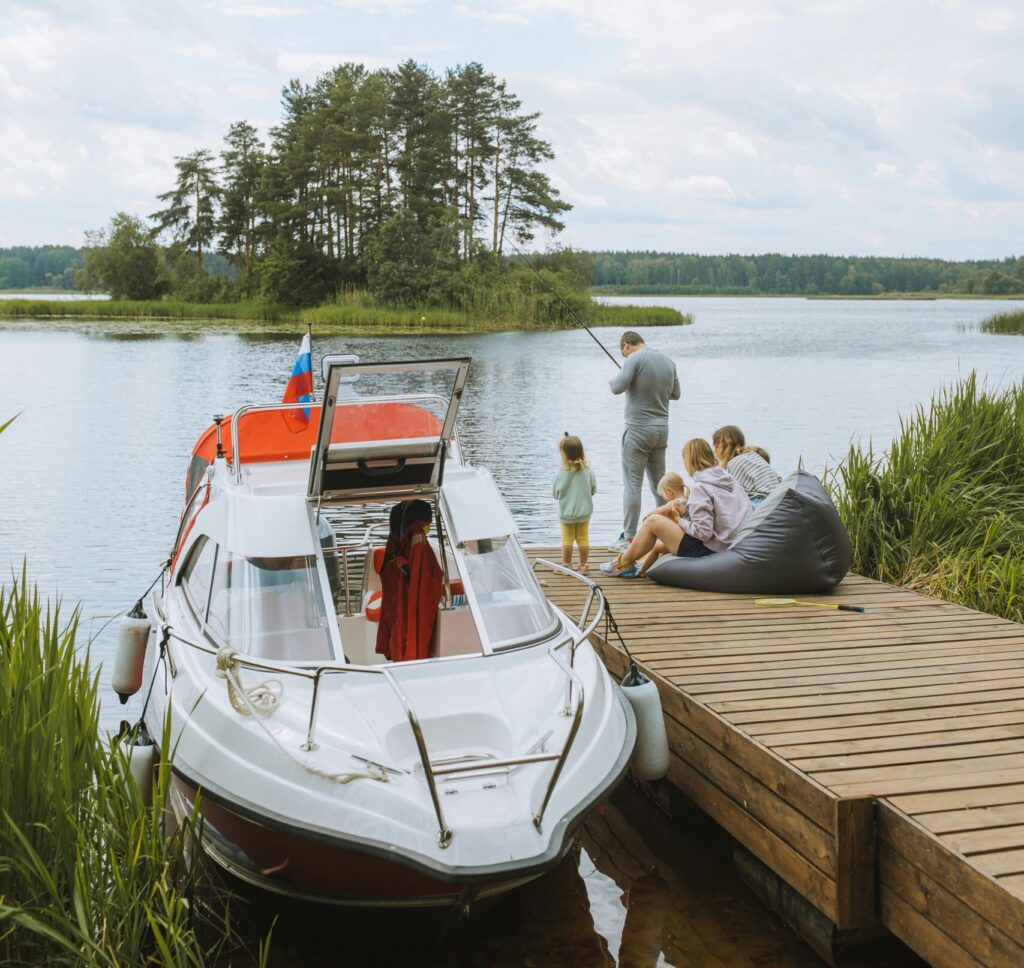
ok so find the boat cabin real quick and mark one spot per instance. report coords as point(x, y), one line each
point(309, 528)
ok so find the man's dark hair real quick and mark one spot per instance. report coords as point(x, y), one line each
point(631, 338)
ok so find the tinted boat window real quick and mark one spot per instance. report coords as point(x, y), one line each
point(270, 607)
point(196, 577)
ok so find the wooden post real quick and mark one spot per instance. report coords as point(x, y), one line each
point(856, 862)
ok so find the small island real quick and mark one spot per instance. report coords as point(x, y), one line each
point(385, 202)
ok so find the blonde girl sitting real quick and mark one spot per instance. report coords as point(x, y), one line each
point(675, 493)
point(574, 488)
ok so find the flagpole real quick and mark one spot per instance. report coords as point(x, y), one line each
point(312, 378)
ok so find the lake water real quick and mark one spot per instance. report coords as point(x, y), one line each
point(93, 468)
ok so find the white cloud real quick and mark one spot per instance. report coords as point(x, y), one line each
point(208, 49)
point(380, 6)
point(30, 165)
point(997, 20)
point(576, 197)
point(701, 186)
point(305, 62)
point(260, 10)
point(811, 125)
point(499, 16)
point(141, 159)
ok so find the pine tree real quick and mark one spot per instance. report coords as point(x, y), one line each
point(191, 205)
point(242, 163)
point(473, 103)
point(523, 197)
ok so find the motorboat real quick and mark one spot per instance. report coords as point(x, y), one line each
point(370, 698)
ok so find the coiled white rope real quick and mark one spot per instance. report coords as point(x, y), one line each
point(258, 700)
point(261, 700)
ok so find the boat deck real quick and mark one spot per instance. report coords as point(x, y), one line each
point(874, 761)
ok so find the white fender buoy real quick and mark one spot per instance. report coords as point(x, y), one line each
point(132, 637)
point(141, 753)
point(650, 755)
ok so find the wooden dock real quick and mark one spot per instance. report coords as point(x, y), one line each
point(874, 762)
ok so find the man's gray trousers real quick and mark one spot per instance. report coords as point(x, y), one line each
point(643, 449)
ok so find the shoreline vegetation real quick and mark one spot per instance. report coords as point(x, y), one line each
point(942, 510)
point(777, 274)
point(88, 873)
point(353, 316)
point(1009, 323)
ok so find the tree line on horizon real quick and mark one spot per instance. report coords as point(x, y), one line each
point(407, 183)
point(29, 267)
point(776, 274)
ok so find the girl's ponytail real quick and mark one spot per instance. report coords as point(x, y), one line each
point(571, 449)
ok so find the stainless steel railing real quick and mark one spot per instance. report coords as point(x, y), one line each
point(594, 594)
point(430, 771)
point(341, 553)
point(236, 419)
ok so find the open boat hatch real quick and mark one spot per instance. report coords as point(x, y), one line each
point(407, 455)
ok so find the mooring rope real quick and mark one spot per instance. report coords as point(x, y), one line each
point(258, 700)
point(261, 700)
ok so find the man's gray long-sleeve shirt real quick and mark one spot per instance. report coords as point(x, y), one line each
point(649, 380)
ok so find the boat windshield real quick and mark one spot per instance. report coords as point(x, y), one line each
point(510, 603)
point(269, 607)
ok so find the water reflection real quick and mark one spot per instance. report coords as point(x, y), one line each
point(635, 892)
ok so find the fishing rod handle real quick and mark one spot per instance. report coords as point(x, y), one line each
point(850, 608)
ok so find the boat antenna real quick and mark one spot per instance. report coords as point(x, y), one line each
point(573, 315)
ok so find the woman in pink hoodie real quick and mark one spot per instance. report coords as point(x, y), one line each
point(717, 507)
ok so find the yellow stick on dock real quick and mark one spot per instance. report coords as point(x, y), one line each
point(792, 601)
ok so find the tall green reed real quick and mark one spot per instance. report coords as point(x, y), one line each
point(1005, 323)
point(943, 508)
point(88, 874)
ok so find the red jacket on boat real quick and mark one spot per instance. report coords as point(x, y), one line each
point(411, 587)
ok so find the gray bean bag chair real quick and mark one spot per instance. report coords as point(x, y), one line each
point(793, 544)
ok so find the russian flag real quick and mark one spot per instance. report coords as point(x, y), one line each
point(300, 387)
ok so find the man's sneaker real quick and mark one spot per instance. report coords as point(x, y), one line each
point(615, 570)
point(621, 544)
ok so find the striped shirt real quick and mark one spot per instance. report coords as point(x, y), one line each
point(754, 473)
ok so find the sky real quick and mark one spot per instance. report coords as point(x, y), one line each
point(885, 127)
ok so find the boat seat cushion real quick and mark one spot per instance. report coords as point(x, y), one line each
point(794, 543)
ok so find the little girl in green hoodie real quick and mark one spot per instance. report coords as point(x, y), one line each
point(575, 486)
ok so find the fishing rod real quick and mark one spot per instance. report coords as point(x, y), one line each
point(547, 285)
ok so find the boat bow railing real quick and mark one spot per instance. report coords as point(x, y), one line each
point(432, 771)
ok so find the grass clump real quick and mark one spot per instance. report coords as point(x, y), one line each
point(1011, 323)
point(943, 510)
point(87, 875)
point(355, 313)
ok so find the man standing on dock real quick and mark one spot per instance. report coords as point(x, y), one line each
point(649, 380)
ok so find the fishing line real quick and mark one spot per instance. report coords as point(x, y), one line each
point(547, 285)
